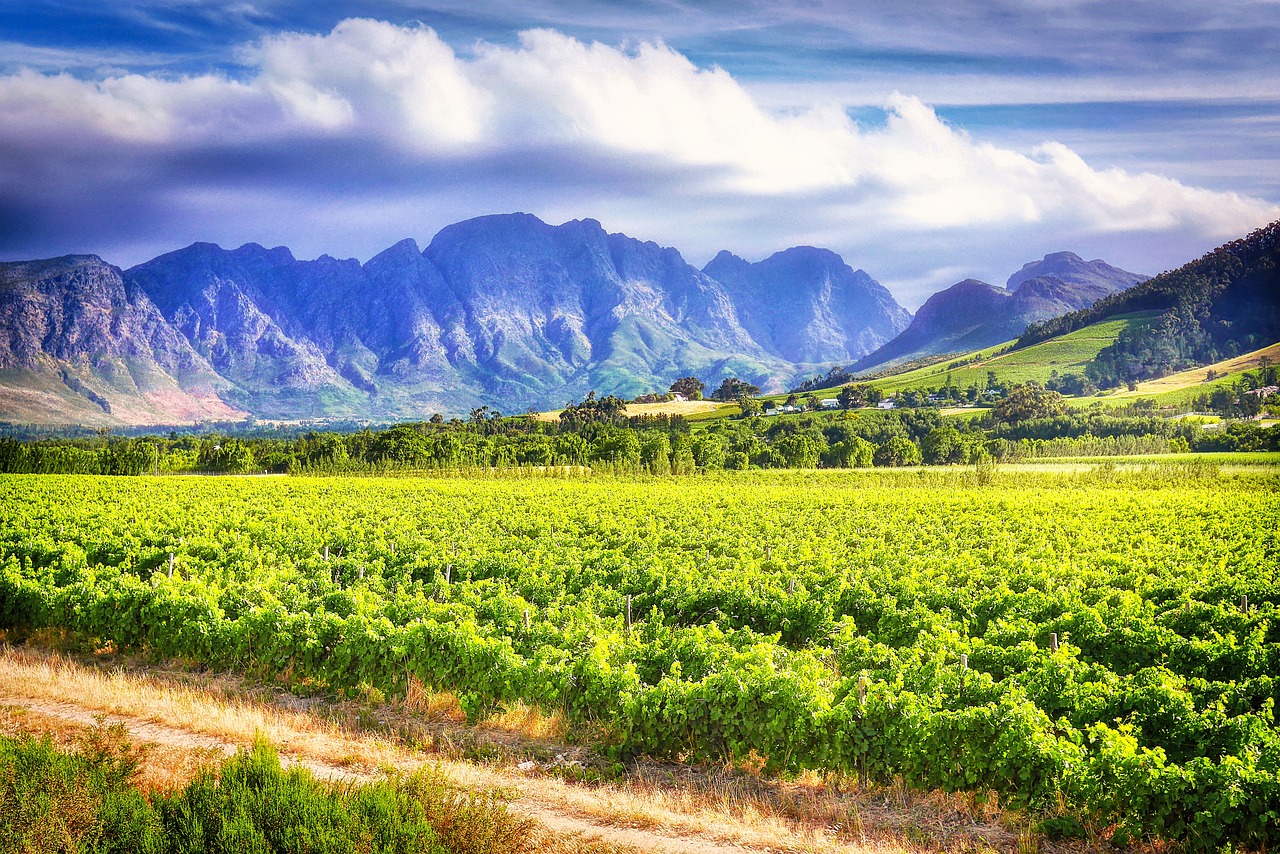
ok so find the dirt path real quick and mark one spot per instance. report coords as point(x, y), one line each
point(529, 804)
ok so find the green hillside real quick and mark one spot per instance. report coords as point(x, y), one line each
point(1212, 308)
point(1066, 354)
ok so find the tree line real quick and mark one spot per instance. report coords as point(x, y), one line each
point(1029, 421)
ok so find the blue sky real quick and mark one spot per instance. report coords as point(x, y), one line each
point(925, 142)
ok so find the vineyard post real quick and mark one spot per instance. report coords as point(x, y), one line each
point(1053, 641)
point(448, 573)
point(862, 701)
point(791, 587)
point(326, 552)
point(171, 564)
point(628, 613)
point(1244, 603)
point(526, 619)
point(964, 668)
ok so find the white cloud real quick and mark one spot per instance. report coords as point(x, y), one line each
point(555, 120)
point(367, 75)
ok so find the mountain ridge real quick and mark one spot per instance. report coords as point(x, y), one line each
point(504, 311)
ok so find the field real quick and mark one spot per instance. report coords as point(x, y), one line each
point(1065, 354)
point(870, 624)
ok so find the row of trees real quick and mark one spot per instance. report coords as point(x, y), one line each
point(1030, 420)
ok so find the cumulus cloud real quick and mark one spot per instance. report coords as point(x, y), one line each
point(340, 136)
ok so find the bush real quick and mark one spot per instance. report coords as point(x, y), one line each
point(85, 802)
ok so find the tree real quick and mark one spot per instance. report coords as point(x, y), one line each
point(708, 451)
point(690, 387)
point(853, 452)
point(655, 453)
point(862, 394)
point(944, 445)
point(733, 388)
point(593, 410)
point(1026, 402)
point(749, 405)
point(898, 451)
point(800, 451)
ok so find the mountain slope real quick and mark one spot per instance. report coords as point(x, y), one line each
point(78, 345)
point(1224, 303)
point(971, 315)
point(503, 310)
point(807, 305)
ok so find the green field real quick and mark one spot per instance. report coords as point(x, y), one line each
point(1066, 354)
point(896, 625)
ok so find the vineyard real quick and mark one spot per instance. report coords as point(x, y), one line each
point(1098, 647)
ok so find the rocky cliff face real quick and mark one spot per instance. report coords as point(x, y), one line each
point(77, 344)
point(808, 305)
point(1089, 277)
point(971, 315)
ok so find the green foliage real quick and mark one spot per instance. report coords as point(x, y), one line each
point(690, 387)
point(54, 801)
point(813, 619)
point(898, 451)
point(732, 388)
point(1028, 402)
point(1219, 305)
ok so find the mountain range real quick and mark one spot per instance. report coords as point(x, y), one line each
point(504, 311)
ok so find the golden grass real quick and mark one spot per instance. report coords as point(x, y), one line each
point(718, 805)
point(164, 767)
point(527, 722)
point(49, 676)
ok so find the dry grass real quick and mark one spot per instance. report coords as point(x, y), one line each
point(164, 767)
point(210, 711)
point(528, 723)
point(732, 806)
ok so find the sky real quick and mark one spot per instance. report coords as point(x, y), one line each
point(925, 142)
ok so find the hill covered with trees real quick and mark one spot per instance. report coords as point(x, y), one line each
point(1220, 305)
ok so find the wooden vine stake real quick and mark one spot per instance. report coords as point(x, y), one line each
point(326, 552)
point(791, 587)
point(1244, 603)
point(448, 573)
point(171, 564)
point(628, 612)
point(526, 619)
point(1053, 641)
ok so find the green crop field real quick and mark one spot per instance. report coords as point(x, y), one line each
point(873, 623)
